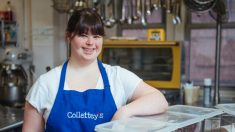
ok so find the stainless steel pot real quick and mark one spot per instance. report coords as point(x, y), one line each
point(13, 85)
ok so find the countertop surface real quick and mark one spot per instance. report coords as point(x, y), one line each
point(176, 117)
point(10, 118)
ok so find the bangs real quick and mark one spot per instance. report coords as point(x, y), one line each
point(84, 22)
point(85, 26)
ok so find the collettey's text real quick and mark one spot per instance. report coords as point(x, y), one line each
point(86, 115)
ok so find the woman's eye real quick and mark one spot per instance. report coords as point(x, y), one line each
point(82, 35)
point(97, 36)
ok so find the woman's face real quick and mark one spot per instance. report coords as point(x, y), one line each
point(86, 46)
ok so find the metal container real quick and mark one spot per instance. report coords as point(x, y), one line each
point(13, 77)
point(13, 85)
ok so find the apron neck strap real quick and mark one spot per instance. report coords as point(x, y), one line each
point(103, 74)
point(63, 73)
point(102, 71)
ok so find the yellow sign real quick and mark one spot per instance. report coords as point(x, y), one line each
point(156, 34)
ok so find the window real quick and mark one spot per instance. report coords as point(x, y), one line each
point(200, 56)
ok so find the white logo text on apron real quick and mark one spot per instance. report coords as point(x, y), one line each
point(87, 115)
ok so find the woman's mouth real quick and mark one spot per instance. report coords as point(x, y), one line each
point(88, 51)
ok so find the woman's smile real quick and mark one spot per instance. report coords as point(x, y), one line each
point(88, 51)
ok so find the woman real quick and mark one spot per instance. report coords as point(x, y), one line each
point(84, 92)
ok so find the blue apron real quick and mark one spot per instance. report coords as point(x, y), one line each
point(75, 111)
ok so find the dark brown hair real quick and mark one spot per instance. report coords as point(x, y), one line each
point(84, 21)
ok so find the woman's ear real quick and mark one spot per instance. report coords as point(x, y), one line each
point(67, 37)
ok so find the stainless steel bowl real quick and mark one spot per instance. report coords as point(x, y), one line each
point(13, 85)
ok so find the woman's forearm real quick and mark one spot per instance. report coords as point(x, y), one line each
point(151, 103)
point(146, 100)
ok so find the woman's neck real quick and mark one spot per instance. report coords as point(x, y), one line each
point(82, 76)
point(80, 65)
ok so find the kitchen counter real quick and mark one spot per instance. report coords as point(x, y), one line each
point(176, 117)
point(10, 118)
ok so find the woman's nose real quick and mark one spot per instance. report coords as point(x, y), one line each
point(90, 40)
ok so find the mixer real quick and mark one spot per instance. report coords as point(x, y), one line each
point(14, 79)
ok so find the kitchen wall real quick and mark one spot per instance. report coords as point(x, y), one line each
point(35, 30)
point(42, 35)
point(42, 30)
point(48, 35)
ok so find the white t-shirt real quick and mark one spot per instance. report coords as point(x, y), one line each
point(43, 93)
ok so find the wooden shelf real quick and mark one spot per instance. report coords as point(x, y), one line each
point(8, 22)
point(139, 43)
point(9, 43)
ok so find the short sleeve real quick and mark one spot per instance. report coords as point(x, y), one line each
point(37, 95)
point(129, 81)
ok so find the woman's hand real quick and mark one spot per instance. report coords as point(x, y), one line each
point(121, 113)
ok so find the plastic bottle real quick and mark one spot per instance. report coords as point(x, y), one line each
point(8, 13)
point(207, 92)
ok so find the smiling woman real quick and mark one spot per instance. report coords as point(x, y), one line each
point(84, 92)
point(85, 35)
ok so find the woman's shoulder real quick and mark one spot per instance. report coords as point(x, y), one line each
point(113, 68)
point(116, 69)
point(48, 82)
point(110, 67)
point(122, 73)
point(44, 89)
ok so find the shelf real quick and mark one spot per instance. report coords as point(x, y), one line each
point(8, 33)
point(8, 22)
point(138, 43)
point(9, 43)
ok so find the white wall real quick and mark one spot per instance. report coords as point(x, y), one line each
point(60, 50)
point(42, 35)
point(35, 30)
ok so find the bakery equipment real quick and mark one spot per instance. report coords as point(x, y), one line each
point(13, 76)
point(156, 62)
